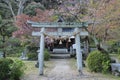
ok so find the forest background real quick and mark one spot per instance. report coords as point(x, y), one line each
point(15, 33)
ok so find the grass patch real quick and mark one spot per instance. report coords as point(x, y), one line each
point(73, 63)
point(111, 76)
point(30, 67)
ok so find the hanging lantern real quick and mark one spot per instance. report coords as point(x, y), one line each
point(60, 42)
point(51, 40)
point(69, 40)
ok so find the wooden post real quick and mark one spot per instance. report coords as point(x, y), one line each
point(78, 51)
point(41, 53)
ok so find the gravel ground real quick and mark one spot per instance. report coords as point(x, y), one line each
point(63, 71)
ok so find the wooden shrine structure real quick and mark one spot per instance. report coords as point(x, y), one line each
point(76, 31)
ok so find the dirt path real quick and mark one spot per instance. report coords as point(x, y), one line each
point(63, 71)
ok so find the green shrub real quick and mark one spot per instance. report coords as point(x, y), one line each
point(98, 62)
point(4, 68)
point(11, 70)
point(46, 55)
point(17, 70)
point(32, 56)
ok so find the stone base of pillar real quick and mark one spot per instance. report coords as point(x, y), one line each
point(41, 74)
point(80, 72)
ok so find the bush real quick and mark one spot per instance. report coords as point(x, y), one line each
point(4, 68)
point(98, 62)
point(46, 55)
point(11, 70)
point(32, 56)
point(17, 70)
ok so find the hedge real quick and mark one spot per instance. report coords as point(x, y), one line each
point(98, 62)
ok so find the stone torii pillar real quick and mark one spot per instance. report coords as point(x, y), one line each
point(41, 52)
point(78, 51)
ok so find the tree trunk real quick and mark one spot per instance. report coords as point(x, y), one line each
point(11, 9)
point(4, 52)
point(97, 43)
point(21, 6)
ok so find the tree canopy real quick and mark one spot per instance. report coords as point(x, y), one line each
point(103, 15)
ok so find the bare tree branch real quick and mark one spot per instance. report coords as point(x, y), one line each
point(10, 7)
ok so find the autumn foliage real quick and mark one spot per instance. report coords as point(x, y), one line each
point(24, 28)
point(103, 13)
point(105, 18)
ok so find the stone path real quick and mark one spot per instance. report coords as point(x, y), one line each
point(63, 71)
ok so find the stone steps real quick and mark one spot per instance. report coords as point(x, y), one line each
point(60, 56)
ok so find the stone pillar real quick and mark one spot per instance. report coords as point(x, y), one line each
point(41, 53)
point(78, 51)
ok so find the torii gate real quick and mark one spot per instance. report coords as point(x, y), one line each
point(60, 25)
